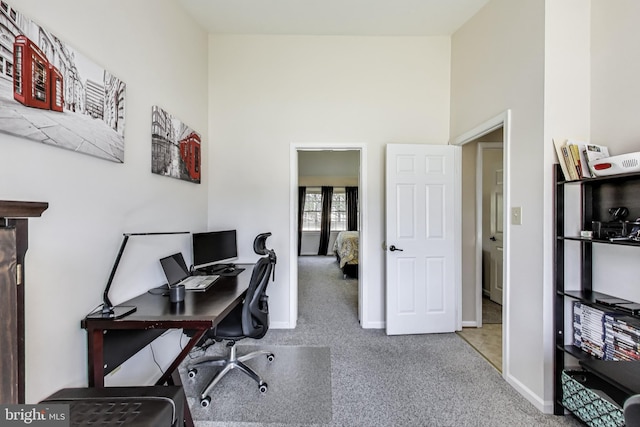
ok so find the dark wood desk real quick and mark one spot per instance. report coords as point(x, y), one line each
point(112, 342)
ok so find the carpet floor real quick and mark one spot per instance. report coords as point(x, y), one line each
point(375, 380)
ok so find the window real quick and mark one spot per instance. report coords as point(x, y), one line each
point(312, 215)
point(339, 209)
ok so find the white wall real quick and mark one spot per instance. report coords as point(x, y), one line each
point(566, 115)
point(615, 91)
point(498, 64)
point(615, 67)
point(269, 92)
point(334, 168)
point(162, 57)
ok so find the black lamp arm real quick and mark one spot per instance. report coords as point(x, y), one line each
point(107, 306)
point(108, 310)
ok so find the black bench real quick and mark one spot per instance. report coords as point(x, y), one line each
point(151, 406)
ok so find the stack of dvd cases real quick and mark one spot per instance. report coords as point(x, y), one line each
point(622, 338)
point(606, 334)
point(588, 329)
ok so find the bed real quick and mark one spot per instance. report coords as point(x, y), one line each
point(346, 250)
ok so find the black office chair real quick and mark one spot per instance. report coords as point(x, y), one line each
point(632, 411)
point(248, 320)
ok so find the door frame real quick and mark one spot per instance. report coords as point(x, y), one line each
point(363, 296)
point(482, 146)
point(501, 120)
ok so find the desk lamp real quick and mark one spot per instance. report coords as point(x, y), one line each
point(120, 311)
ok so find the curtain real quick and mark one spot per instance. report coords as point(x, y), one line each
point(352, 208)
point(325, 222)
point(302, 193)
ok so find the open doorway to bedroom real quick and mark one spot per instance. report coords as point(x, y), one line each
point(328, 230)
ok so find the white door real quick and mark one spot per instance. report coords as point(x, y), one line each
point(422, 238)
point(496, 237)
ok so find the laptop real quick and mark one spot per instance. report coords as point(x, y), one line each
point(177, 273)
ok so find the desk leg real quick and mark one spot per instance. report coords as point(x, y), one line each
point(95, 356)
point(172, 374)
point(167, 378)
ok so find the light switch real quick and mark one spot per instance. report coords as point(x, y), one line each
point(516, 215)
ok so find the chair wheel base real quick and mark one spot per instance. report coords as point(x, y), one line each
point(263, 388)
point(206, 401)
point(192, 373)
point(271, 357)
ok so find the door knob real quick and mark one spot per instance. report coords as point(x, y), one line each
point(392, 248)
point(492, 238)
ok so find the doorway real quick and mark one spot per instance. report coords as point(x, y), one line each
point(486, 335)
point(487, 332)
point(328, 173)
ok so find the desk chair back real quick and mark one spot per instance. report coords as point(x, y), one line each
point(260, 247)
point(255, 309)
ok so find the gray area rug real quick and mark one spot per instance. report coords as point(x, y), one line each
point(298, 375)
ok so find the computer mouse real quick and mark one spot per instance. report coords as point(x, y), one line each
point(229, 270)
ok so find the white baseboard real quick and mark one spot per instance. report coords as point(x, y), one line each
point(374, 325)
point(469, 324)
point(534, 399)
point(280, 325)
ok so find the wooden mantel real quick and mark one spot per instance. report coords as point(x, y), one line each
point(14, 209)
point(14, 240)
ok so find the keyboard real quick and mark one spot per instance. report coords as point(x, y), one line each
point(198, 283)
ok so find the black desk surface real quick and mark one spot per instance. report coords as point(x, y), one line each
point(623, 375)
point(208, 307)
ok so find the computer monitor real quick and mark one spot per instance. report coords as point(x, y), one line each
point(214, 247)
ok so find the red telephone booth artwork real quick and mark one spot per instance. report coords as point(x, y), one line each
point(36, 82)
point(56, 90)
point(190, 154)
point(30, 81)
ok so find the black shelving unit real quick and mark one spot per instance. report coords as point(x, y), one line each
point(597, 196)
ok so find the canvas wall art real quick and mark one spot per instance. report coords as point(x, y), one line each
point(51, 93)
point(175, 147)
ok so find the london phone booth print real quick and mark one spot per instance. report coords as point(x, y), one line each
point(54, 94)
point(36, 82)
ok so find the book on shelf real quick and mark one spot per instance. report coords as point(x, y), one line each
point(579, 153)
point(563, 154)
point(575, 157)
